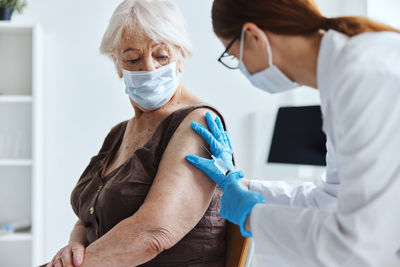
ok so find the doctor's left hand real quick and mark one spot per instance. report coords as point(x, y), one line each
point(217, 138)
point(220, 146)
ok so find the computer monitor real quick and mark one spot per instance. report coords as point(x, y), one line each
point(287, 143)
point(298, 137)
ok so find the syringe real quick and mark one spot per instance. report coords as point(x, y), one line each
point(223, 168)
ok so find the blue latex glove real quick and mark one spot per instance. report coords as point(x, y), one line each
point(218, 139)
point(237, 201)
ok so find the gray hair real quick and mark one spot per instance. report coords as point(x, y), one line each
point(159, 20)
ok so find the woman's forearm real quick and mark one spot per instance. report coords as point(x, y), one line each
point(129, 243)
point(78, 234)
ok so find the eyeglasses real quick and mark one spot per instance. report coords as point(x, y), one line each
point(230, 61)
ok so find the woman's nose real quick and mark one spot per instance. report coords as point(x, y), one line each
point(149, 64)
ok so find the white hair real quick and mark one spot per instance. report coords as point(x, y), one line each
point(159, 20)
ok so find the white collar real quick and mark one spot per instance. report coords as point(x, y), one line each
point(332, 44)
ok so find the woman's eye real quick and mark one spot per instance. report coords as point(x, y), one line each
point(134, 61)
point(162, 58)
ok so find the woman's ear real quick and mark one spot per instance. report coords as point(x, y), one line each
point(180, 58)
point(179, 69)
point(254, 35)
point(117, 66)
point(179, 66)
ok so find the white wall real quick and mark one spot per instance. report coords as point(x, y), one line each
point(386, 11)
point(85, 98)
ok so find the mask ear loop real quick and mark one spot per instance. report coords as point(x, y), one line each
point(181, 62)
point(241, 45)
point(119, 65)
point(268, 49)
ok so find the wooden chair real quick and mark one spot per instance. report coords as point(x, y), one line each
point(237, 247)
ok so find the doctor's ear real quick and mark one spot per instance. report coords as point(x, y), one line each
point(254, 36)
point(117, 66)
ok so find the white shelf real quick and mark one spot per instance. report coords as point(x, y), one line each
point(16, 99)
point(11, 26)
point(15, 162)
point(16, 237)
point(21, 110)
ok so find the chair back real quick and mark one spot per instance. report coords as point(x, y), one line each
point(237, 247)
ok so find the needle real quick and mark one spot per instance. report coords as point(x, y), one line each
point(219, 163)
point(207, 150)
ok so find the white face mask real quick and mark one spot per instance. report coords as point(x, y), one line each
point(272, 79)
point(151, 89)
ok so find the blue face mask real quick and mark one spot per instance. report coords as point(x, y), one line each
point(272, 79)
point(151, 89)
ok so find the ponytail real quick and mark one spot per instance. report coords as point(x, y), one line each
point(289, 17)
point(354, 25)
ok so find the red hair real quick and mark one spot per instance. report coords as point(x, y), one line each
point(290, 17)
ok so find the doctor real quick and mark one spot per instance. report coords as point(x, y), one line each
point(352, 216)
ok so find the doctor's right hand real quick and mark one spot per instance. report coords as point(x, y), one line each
point(237, 201)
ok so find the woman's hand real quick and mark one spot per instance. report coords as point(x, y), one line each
point(69, 256)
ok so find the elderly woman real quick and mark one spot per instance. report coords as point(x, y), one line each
point(138, 201)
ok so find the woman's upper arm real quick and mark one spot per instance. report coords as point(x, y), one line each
point(180, 194)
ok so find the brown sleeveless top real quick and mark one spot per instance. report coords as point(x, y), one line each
point(102, 202)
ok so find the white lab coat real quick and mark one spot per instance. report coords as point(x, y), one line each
point(304, 224)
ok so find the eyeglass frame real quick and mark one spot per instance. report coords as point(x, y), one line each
point(227, 49)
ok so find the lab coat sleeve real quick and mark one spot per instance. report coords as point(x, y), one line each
point(364, 230)
point(298, 194)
